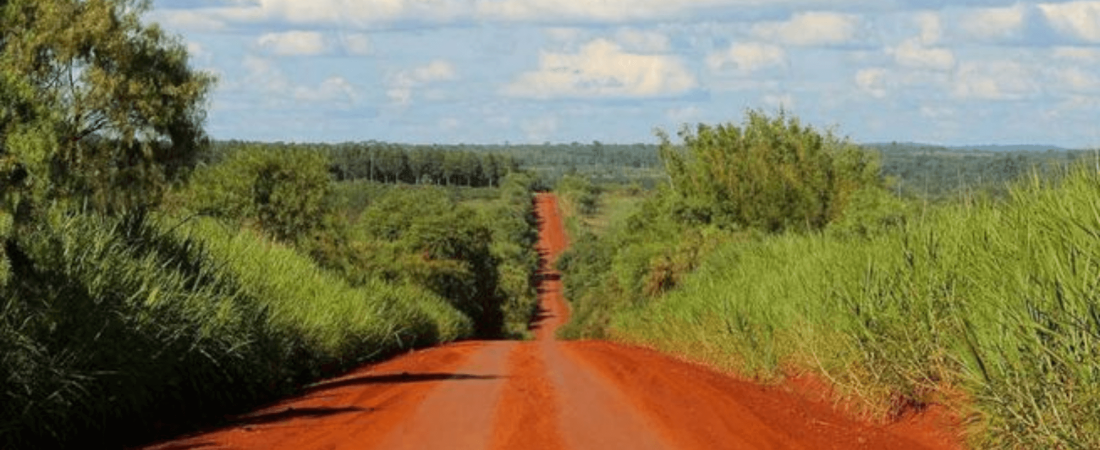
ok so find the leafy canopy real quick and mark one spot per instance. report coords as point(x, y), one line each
point(286, 192)
point(770, 173)
point(95, 106)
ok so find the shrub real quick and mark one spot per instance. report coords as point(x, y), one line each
point(770, 173)
point(286, 193)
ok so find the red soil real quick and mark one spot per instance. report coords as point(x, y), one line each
point(553, 395)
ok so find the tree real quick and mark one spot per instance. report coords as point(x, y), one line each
point(492, 170)
point(452, 166)
point(770, 173)
point(286, 192)
point(95, 105)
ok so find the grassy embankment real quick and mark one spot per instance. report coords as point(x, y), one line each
point(898, 306)
point(119, 329)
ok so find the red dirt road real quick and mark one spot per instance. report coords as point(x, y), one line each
point(547, 394)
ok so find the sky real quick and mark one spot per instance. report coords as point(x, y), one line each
point(962, 72)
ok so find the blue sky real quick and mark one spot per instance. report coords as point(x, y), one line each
point(495, 71)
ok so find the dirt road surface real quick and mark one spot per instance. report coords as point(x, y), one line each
point(546, 394)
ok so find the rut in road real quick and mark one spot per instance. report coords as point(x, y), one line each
point(546, 394)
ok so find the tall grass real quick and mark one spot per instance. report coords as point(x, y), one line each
point(113, 329)
point(1000, 301)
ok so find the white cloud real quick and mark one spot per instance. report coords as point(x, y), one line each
point(810, 28)
point(539, 129)
point(196, 50)
point(683, 114)
point(1075, 80)
point(1079, 54)
point(1077, 19)
point(449, 123)
point(994, 23)
point(747, 57)
point(872, 81)
point(293, 43)
point(931, 27)
point(360, 13)
point(564, 34)
point(370, 13)
point(995, 80)
point(602, 69)
point(357, 44)
point(264, 74)
point(937, 112)
point(643, 41)
point(438, 70)
point(912, 54)
point(785, 101)
point(615, 11)
point(200, 56)
point(190, 20)
point(621, 11)
point(332, 89)
point(403, 83)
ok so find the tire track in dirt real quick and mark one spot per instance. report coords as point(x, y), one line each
point(546, 394)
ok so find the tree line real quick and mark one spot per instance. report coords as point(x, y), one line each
point(395, 163)
point(938, 173)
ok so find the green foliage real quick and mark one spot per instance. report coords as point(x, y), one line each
point(728, 183)
point(6, 224)
point(438, 244)
point(939, 174)
point(632, 262)
point(998, 300)
point(770, 173)
point(426, 236)
point(898, 305)
point(515, 233)
point(118, 320)
point(871, 211)
point(287, 193)
point(97, 106)
point(579, 192)
point(104, 319)
point(396, 163)
point(110, 327)
point(479, 165)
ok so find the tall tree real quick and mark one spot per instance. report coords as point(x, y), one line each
point(97, 105)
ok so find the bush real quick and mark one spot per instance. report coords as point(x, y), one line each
point(419, 235)
point(770, 173)
point(286, 193)
point(580, 193)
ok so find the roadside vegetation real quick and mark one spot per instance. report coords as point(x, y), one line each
point(776, 249)
point(149, 282)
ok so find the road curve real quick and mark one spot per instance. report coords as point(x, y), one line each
point(546, 394)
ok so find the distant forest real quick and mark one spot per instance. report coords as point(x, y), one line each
point(915, 170)
point(936, 172)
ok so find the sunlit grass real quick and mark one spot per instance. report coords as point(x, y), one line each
point(1000, 300)
point(111, 322)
